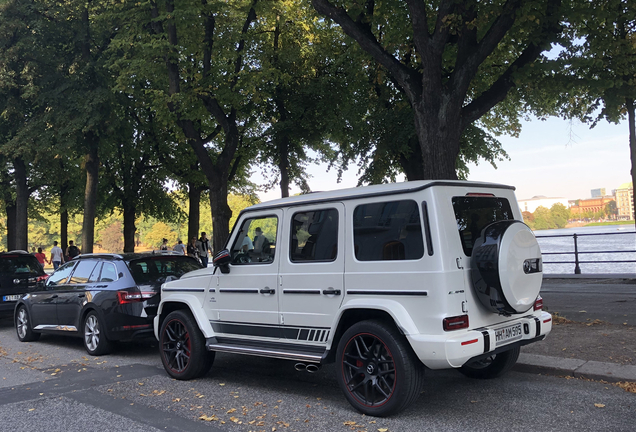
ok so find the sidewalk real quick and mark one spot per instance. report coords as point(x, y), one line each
point(586, 347)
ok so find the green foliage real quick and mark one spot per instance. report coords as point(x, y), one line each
point(157, 233)
point(112, 237)
point(559, 215)
point(543, 218)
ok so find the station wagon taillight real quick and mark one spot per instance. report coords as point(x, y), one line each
point(455, 323)
point(125, 297)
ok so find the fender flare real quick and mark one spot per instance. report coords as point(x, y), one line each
point(193, 304)
point(395, 309)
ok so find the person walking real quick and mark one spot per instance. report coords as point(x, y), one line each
point(57, 256)
point(72, 251)
point(203, 247)
point(41, 257)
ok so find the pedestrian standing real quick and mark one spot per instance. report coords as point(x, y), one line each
point(203, 247)
point(179, 247)
point(57, 256)
point(164, 245)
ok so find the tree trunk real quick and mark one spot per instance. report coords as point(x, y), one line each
point(412, 163)
point(90, 193)
point(21, 204)
point(439, 137)
point(64, 214)
point(64, 229)
point(194, 212)
point(10, 209)
point(221, 214)
point(283, 165)
point(130, 213)
point(631, 119)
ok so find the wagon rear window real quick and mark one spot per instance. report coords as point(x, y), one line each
point(473, 214)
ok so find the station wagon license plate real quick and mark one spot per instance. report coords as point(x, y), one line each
point(508, 334)
point(14, 297)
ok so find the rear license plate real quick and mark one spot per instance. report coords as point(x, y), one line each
point(508, 334)
point(14, 297)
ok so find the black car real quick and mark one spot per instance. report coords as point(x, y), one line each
point(101, 298)
point(20, 272)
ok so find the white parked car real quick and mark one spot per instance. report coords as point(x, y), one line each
point(384, 280)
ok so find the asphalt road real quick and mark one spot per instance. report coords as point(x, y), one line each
point(54, 385)
point(611, 300)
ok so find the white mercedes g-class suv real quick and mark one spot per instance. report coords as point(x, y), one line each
point(384, 280)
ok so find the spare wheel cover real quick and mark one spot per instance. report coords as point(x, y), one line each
point(514, 270)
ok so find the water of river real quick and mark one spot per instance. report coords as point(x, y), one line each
point(617, 238)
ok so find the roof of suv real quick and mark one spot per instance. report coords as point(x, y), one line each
point(374, 190)
point(129, 256)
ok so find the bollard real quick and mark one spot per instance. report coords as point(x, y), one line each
point(577, 268)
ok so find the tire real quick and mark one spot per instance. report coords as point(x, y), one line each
point(23, 327)
point(94, 335)
point(493, 366)
point(506, 267)
point(182, 347)
point(377, 370)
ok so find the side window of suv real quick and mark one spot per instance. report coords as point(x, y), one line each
point(314, 236)
point(82, 272)
point(60, 275)
point(388, 231)
point(256, 241)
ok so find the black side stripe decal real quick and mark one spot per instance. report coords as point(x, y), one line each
point(387, 292)
point(184, 289)
point(291, 291)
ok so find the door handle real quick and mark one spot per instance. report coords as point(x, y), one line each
point(331, 292)
point(100, 286)
point(267, 290)
point(54, 296)
point(82, 295)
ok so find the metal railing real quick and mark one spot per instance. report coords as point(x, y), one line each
point(577, 261)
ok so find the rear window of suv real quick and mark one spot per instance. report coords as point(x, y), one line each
point(16, 264)
point(474, 213)
point(154, 270)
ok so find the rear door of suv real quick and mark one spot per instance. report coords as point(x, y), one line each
point(72, 295)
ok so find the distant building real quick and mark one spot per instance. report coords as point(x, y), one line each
point(625, 201)
point(592, 205)
point(530, 205)
point(598, 192)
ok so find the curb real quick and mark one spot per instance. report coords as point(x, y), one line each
point(610, 372)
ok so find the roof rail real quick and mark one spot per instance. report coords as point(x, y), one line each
point(97, 255)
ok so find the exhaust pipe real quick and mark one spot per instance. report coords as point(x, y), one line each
point(312, 368)
point(300, 367)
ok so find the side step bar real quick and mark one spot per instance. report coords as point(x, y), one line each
point(236, 347)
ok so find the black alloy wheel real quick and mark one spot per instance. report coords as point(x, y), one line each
point(492, 366)
point(379, 373)
point(23, 326)
point(183, 351)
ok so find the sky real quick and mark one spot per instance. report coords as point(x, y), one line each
point(554, 158)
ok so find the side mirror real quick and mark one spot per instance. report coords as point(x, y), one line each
point(221, 260)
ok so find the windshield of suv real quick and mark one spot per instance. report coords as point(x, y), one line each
point(473, 214)
point(153, 270)
point(20, 264)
